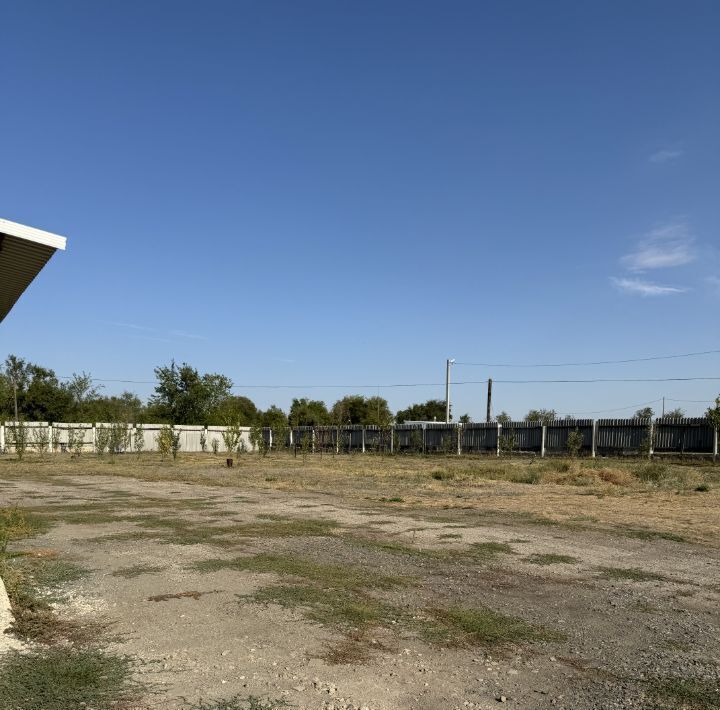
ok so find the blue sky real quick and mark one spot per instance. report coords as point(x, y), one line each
point(350, 192)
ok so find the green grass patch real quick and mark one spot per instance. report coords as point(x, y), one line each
point(17, 524)
point(483, 626)
point(326, 575)
point(66, 679)
point(239, 702)
point(337, 608)
point(648, 534)
point(136, 571)
point(686, 693)
point(551, 559)
point(449, 536)
point(483, 551)
point(631, 574)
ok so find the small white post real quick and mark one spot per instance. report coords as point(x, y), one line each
point(459, 429)
point(499, 434)
point(312, 438)
point(363, 439)
point(594, 437)
point(715, 445)
point(2, 438)
point(650, 443)
point(542, 441)
point(337, 440)
point(270, 438)
point(392, 439)
point(94, 439)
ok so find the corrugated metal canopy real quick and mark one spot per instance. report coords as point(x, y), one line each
point(23, 253)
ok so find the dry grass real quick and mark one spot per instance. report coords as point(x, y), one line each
point(610, 492)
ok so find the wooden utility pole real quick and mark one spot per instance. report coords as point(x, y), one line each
point(489, 401)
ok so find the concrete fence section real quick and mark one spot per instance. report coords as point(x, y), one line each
point(601, 437)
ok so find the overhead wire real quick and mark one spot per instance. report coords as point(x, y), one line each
point(585, 364)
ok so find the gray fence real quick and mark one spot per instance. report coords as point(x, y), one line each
point(602, 437)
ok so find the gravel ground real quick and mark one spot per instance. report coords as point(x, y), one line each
point(623, 637)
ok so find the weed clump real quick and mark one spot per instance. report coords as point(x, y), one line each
point(62, 678)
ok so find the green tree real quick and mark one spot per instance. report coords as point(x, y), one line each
point(17, 373)
point(184, 396)
point(713, 414)
point(44, 399)
point(541, 415)
point(431, 411)
point(504, 418)
point(273, 417)
point(645, 413)
point(125, 407)
point(677, 413)
point(356, 409)
point(236, 410)
point(309, 412)
point(81, 389)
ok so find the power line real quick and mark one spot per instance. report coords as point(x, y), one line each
point(619, 409)
point(598, 362)
point(435, 384)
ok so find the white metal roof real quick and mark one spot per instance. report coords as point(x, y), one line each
point(23, 253)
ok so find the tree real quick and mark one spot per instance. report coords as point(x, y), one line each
point(541, 415)
point(235, 410)
point(677, 413)
point(645, 413)
point(713, 414)
point(308, 412)
point(465, 419)
point(504, 418)
point(18, 375)
point(184, 396)
point(431, 411)
point(356, 409)
point(273, 417)
point(81, 389)
point(44, 399)
point(125, 407)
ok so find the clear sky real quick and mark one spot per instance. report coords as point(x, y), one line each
point(312, 193)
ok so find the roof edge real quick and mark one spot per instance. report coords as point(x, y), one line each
point(32, 235)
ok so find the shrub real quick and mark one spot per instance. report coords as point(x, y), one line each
point(203, 441)
point(102, 439)
point(165, 441)
point(78, 442)
point(574, 443)
point(507, 444)
point(18, 438)
point(41, 439)
point(232, 436)
point(139, 443)
point(652, 472)
point(215, 445)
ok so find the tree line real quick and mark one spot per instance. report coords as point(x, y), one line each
point(183, 395)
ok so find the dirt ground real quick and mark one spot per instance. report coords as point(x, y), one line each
point(616, 589)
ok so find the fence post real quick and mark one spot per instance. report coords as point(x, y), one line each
point(392, 439)
point(363, 439)
point(312, 439)
point(424, 444)
point(499, 434)
point(594, 438)
point(459, 430)
point(2, 438)
point(715, 445)
point(290, 438)
point(270, 438)
point(542, 441)
point(650, 442)
point(337, 440)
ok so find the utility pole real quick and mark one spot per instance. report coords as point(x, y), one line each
point(448, 363)
point(663, 406)
point(489, 401)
